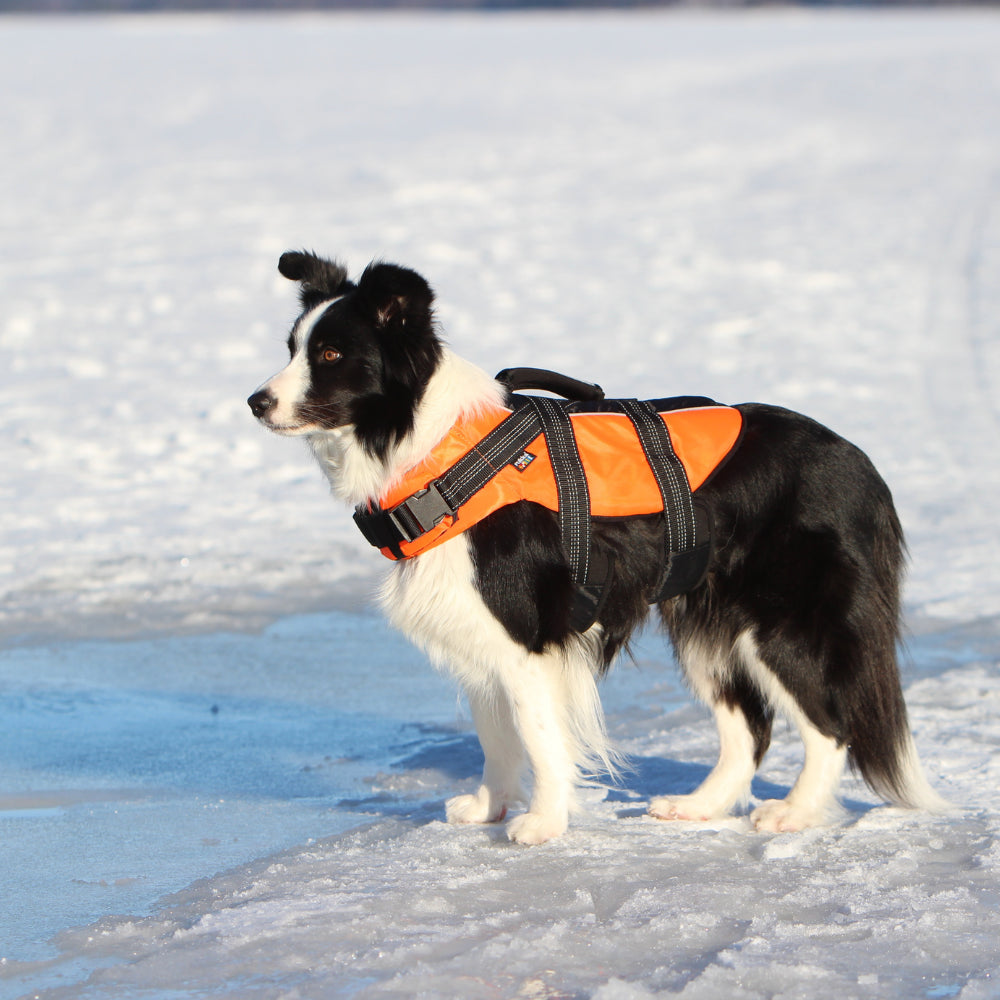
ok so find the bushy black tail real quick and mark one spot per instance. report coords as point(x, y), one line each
point(880, 745)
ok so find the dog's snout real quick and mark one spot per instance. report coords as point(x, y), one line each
point(260, 402)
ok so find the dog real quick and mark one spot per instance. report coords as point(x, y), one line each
point(798, 612)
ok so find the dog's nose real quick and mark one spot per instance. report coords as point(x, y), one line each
point(260, 403)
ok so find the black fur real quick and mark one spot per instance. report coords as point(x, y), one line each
point(319, 279)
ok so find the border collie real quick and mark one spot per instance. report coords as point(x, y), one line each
point(798, 613)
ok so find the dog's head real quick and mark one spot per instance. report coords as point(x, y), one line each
point(361, 353)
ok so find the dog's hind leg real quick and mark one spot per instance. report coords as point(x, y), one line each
point(744, 723)
point(501, 784)
point(727, 784)
point(813, 798)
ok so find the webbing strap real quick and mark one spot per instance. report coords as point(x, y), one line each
point(678, 507)
point(498, 449)
point(571, 484)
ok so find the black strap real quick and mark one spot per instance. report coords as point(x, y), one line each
point(675, 492)
point(571, 484)
point(687, 527)
point(683, 571)
point(498, 449)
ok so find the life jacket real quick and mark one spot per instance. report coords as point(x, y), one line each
point(583, 459)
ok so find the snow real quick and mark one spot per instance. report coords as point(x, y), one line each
point(220, 774)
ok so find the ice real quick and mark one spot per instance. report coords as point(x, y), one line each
point(221, 775)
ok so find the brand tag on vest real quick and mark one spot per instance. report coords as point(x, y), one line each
point(523, 461)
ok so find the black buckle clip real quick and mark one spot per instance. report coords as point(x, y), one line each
point(417, 514)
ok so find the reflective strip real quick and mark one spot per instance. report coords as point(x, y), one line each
point(571, 484)
point(678, 508)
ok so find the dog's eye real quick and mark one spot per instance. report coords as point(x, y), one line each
point(331, 355)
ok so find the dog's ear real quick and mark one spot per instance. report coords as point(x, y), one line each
point(318, 279)
point(396, 297)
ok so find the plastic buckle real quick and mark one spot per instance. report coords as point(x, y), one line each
point(419, 513)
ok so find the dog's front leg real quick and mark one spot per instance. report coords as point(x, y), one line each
point(538, 699)
point(501, 784)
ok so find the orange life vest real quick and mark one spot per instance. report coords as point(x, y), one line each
point(583, 460)
point(619, 477)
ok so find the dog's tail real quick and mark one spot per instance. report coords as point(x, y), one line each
point(880, 743)
point(904, 783)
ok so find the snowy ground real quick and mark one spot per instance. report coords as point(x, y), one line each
point(796, 207)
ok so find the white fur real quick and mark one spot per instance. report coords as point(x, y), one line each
point(813, 798)
point(290, 385)
point(727, 786)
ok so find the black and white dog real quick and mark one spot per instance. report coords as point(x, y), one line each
point(798, 613)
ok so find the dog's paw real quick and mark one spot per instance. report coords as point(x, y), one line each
point(478, 808)
point(534, 828)
point(782, 816)
point(683, 807)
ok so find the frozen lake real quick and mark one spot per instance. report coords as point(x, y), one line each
point(169, 758)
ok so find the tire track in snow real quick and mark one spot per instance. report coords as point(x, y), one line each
point(982, 269)
point(957, 376)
